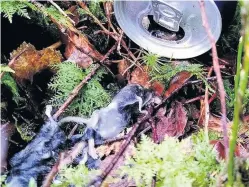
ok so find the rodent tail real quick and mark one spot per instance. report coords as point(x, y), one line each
point(79, 120)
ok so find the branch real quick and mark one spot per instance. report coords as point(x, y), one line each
point(97, 181)
point(114, 35)
point(63, 161)
point(218, 74)
point(76, 90)
point(61, 11)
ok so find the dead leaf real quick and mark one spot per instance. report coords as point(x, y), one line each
point(114, 175)
point(32, 61)
point(122, 66)
point(173, 124)
point(106, 150)
point(215, 124)
point(177, 83)
point(140, 76)
point(158, 87)
point(77, 43)
point(220, 148)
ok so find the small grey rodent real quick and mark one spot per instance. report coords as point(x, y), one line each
point(37, 157)
point(108, 122)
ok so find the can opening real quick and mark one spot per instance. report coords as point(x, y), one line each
point(160, 32)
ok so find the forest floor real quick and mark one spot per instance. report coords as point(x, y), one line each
point(73, 56)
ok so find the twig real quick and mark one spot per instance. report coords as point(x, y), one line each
point(75, 92)
point(55, 45)
point(63, 161)
point(61, 11)
point(12, 61)
point(218, 74)
point(99, 179)
point(206, 104)
point(108, 11)
point(194, 99)
point(199, 81)
point(113, 34)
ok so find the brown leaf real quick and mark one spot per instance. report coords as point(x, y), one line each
point(106, 150)
point(140, 76)
point(220, 148)
point(76, 44)
point(177, 83)
point(32, 61)
point(158, 88)
point(123, 65)
point(215, 124)
point(114, 175)
point(173, 124)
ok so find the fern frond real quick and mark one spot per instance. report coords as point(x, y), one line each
point(91, 97)
point(94, 8)
point(162, 70)
point(60, 18)
point(9, 8)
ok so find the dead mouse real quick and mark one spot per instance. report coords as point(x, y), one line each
point(108, 122)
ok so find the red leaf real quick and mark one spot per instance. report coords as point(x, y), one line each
point(220, 148)
point(172, 125)
point(177, 83)
point(158, 88)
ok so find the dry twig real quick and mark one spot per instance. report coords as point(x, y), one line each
point(97, 181)
point(61, 11)
point(63, 161)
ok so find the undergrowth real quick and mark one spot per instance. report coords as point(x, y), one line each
point(78, 176)
point(95, 9)
point(91, 97)
point(191, 162)
point(163, 71)
point(231, 97)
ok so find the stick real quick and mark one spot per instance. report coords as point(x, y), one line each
point(76, 90)
point(114, 35)
point(218, 74)
point(63, 161)
point(97, 181)
point(61, 11)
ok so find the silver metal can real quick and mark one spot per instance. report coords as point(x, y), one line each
point(169, 28)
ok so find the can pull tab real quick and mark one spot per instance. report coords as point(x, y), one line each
point(166, 15)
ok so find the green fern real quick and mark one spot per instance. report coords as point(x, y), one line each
point(55, 14)
point(163, 71)
point(173, 163)
point(79, 176)
point(91, 97)
point(9, 8)
point(94, 8)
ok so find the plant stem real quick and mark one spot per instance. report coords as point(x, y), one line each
point(241, 88)
point(216, 66)
point(239, 58)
